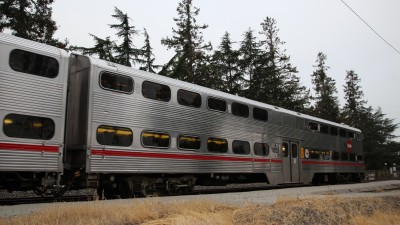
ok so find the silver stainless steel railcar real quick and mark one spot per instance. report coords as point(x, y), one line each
point(128, 131)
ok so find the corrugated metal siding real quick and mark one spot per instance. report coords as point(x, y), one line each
point(29, 161)
point(31, 94)
point(152, 165)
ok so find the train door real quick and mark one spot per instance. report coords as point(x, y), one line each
point(290, 162)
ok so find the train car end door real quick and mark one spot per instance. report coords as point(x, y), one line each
point(290, 162)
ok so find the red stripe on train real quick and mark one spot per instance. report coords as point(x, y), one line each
point(306, 162)
point(28, 147)
point(177, 156)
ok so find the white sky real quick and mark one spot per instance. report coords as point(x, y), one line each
point(307, 27)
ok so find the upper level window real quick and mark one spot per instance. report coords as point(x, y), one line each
point(156, 91)
point(116, 82)
point(32, 127)
point(241, 147)
point(116, 136)
point(323, 128)
point(33, 63)
point(351, 135)
point(189, 142)
point(240, 110)
point(216, 104)
point(342, 133)
point(334, 131)
point(352, 157)
point(189, 98)
point(217, 145)
point(313, 126)
point(359, 157)
point(260, 114)
point(155, 139)
point(261, 149)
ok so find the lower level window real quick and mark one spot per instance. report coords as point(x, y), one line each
point(261, 149)
point(241, 147)
point(32, 127)
point(117, 136)
point(217, 145)
point(155, 139)
point(189, 142)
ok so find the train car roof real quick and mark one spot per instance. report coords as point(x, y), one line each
point(208, 91)
point(33, 46)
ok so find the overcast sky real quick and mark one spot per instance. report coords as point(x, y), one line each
point(307, 27)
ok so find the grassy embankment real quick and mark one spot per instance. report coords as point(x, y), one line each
point(329, 210)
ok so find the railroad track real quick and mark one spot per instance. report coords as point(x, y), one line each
point(199, 190)
point(35, 200)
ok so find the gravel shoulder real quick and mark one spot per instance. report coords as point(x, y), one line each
point(371, 189)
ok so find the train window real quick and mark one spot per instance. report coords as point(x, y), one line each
point(33, 63)
point(313, 126)
point(314, 154)
point(116, 136)
point(261, 149)
point(351, 135)
point(217, 145)
point(156, 91)
point(323, 128)
point(116, 82)
point(186, 142)
point(260, 114)
point(216, 104)
point(294, 150)
point(326, 154)
point(241, 147)
point(352, 157)
point(240, 110)
point(335, 155)
point(32, 127)
point(334, 131)
point(344, 156)
point(155, 139)
point(342, 133)
point(359, 157)
point(189, 98)
point(285, 149)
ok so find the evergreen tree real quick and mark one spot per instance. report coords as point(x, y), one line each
point(249, 64)
point(280, 84)
point(30, 19)
point(226, 67)
point(378, 133)
point(187, 41)
point(126, 52)
point(354, 106)
point(326, 105)
point(103, 48)
point(148, 56)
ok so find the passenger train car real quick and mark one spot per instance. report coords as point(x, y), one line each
point(72, 121)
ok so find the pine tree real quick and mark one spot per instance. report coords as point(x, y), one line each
point(280, 84)
point(126, 51)
point(187, 41)
point(147, 54)
point(249, 64)
point(354, 106)
point(226, 64)
point(103, 48)
point(326, 105)
point(378, 133)
point(30, 19)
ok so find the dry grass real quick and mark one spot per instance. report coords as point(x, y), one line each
point(288, 210)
